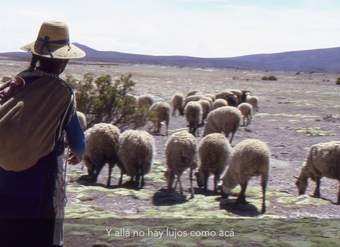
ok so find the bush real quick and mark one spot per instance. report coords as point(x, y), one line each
point(104, 100)
point(338, 81)
point(269, 78)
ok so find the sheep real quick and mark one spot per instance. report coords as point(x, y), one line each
point(229, 97)
point(160, 112)
point(247, 112)
point(82, 120)
point(193, 114)
point(181, 154)
point(102, 142)
point(225, 119)
point(249, 158)
point(219, 103)
point(254, 101)
point(206, 106)
point(136, 152)
point(211, 96)
point(144, 101)
point(191, 93)
point(177, 102)
point(323, 160)
point(213, 150)
point(192, 98)
point(238, 94)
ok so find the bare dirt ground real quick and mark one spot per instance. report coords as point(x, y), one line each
point(296, 111)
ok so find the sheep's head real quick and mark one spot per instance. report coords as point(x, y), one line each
point(301, 184)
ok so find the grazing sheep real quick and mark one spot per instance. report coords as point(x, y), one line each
point(160, 112)
point(213, 151)
point(181, 154)
point(82, 120)
point(193, 114)
point(249, 158)
point(192, 98)
point(191, 93)
point(254, 101)
point(177, 103)
point(206, 106)
point(211, 96)
point(323, 160)
point(219, 103)
point(229, 97)
point(225, 119)
point(136, 152)
point(144, 101)
point(102, 142)
point(247, 113)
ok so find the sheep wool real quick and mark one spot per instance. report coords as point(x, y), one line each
point(160, 112)
point(247, 113)
point(193, 114)
point(177, 103)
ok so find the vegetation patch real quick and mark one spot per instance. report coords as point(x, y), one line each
point(317, 131)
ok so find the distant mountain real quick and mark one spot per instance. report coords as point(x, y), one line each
point(319, 60)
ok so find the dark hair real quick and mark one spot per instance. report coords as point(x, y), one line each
point(55, 66)
point(33, 64)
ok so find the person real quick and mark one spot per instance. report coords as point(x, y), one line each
point(32, 201)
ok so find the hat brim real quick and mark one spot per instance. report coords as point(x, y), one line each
point(65, 52)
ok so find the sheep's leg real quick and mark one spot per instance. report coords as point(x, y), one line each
point(180, 185)
point(338, 202)
point(232, 137)
point(205, 181)
point(108, 184)
point(216, 179)
point(264, 186)
point(317, 187)
point(120, 178)
point(191, 187)
point(242, 196)
point(142, 175)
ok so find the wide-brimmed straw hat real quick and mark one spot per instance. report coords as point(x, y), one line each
point(53, 42)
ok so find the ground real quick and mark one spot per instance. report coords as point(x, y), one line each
point(296, 111)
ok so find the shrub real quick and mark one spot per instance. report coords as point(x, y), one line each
point(338, 81)
point(269, 78)
point(104, 100)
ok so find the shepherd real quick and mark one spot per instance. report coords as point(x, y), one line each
point(37, 108)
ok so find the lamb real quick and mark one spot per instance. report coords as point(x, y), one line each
point(136, 152)
point(160, 112)
point(177, 102)
point(254, 101)
point(213, 151)
point(247, 113)
point(323, 160)
point(225, 119)
point(249, 158)
point(193, 114)
point(219, 103)
point(144, 101)
point(181, 154)
point(206, 106)
point(102, 142)
point(82, 120)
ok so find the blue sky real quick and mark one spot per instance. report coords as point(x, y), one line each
point(207, 28)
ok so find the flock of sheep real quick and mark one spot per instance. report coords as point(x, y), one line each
point(221, 116)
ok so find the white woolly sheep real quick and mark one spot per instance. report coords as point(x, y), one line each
point(136, 152)
point(144, 101)
point(249, 158)
point(211, 96)
point(82, 120)
point(181, 154)
point(247, 113)
point(101, 147)
point(160, 112)
point(177, 103)
point(213, 151)
point(206, 106)
point(193, 114)
point(225, 119)
point(219, 103)
point(254, 101)
point(192, 98)
point(323, 160)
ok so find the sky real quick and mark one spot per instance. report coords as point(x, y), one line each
point(203, 28)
